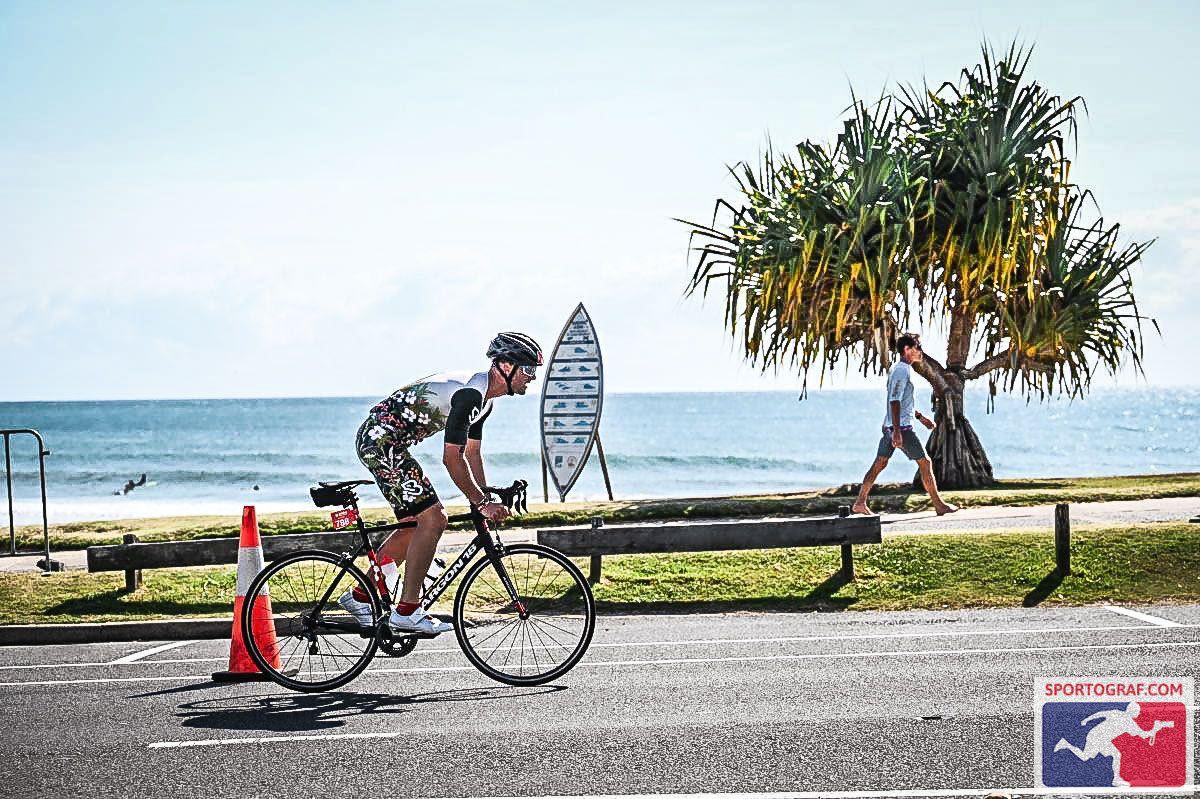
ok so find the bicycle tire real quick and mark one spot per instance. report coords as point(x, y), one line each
point(569, 632)
point(291, 618)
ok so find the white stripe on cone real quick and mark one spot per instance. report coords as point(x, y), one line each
point(250, 563)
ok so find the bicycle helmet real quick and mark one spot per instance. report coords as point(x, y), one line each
point(517, 349)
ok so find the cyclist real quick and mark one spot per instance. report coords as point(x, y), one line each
point(458, 404)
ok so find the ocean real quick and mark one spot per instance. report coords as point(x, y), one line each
point(208, 456)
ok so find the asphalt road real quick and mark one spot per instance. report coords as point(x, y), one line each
point(746, 703)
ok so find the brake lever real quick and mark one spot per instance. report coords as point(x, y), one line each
point(514, 498)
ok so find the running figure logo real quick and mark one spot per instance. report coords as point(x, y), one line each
point(1085, 741)
point(1100, 739)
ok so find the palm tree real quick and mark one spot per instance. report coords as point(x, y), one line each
point(951, 204)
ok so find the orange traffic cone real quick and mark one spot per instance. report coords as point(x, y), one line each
point(250, 563)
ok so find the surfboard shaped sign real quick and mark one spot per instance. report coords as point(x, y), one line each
point(572, 398)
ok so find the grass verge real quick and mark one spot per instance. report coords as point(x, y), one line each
point(1142, 564)
point(889, 497)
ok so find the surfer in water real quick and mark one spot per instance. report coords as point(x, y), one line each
point(130, 485)
point(458, 404)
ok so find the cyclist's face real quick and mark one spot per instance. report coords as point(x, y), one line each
point(519, 376)
point(521, 380)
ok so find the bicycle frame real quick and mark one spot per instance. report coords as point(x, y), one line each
point(484, 540)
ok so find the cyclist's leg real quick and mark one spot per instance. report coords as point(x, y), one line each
point(405, 487)
point(411, 495)
point(396, 547)
point(431, 522)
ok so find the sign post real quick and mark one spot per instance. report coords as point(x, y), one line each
point(572, 399)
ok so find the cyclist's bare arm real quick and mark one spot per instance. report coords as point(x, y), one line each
point(475, 461)
point(455, 460)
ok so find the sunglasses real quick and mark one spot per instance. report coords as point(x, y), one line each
point(528, 371)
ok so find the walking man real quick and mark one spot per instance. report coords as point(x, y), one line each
point(898, 429)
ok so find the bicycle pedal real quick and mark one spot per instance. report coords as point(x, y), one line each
point(413, 634)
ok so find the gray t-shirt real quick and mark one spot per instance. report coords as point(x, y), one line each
point(899, 387)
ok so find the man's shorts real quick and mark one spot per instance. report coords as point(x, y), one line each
point(396, 471)
point(913, 447)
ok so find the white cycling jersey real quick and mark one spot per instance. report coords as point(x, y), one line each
point(452, 401)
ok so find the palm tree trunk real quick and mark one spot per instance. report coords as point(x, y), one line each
point(956, 453)
point(959, 460)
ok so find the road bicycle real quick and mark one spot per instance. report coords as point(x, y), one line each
point(523, 614)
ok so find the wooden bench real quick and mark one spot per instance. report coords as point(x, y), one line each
point(593, 540)
point(133, 556)
point(598, 539)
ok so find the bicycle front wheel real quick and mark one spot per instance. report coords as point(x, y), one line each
point(536, 637)
point(294, 629)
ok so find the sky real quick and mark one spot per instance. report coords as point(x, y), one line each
point(328, 199)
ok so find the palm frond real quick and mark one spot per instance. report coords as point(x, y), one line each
point(813, 255)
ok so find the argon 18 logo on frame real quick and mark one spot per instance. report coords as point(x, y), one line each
point(1109, 732)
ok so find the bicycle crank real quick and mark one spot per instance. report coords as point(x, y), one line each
point(392, 643)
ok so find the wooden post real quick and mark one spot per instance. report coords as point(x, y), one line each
point(133, 577)
point(594, 561)
point(1062, 538)
point(545, 484)
point(847, 550)
point(604, 466)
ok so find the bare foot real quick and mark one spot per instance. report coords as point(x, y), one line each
point(947, 508)
point(861, 509)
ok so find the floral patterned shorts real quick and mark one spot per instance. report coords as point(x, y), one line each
point(396, 471)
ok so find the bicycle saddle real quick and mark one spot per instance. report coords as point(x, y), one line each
point(326, 494)
point(345, 484)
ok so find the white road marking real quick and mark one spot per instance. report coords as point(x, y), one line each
point(870, 636)
point(934, 792)
point(1146, 617)
point(355, 736)
point(688, 642)
point(145, 653)
point(684, 661)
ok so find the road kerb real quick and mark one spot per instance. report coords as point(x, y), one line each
point(103, 632)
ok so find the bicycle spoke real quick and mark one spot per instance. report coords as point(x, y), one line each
point(546, 633)
point(515, 624)
point(295, 646)
point(543, 620)
point(532, 649)
point(539, 579)
point(493, 634)
point(497, 592)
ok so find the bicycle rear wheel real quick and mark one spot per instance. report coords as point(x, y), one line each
point(539, 636)
point(303, 643)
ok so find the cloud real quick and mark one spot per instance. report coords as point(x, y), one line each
point(1170, 274)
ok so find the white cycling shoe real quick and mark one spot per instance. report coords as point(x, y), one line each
point(361, 611)
point(419, 622)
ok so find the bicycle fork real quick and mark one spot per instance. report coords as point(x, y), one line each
point(495, 552)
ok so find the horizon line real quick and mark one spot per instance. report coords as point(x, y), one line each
point(1100, 389)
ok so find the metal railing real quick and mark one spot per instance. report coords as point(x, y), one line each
point(46, 565)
